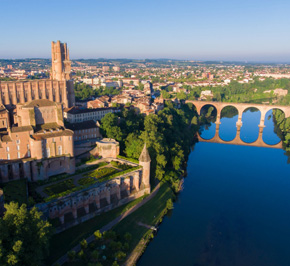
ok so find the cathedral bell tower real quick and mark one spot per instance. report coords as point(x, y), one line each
point(60, 72)
point(61, 65)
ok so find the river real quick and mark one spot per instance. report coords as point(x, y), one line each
point(234, 209)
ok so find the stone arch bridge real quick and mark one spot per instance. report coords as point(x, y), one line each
point(241, 107)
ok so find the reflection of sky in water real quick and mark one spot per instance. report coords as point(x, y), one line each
point(208, 131)
point(234, 211)
point(269, 136)
point(249, 130)
point(228, 129)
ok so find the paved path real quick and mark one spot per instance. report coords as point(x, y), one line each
point(110, 225)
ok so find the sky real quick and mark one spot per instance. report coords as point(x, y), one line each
point(228, 30)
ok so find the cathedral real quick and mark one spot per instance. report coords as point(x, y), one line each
point(34, 142)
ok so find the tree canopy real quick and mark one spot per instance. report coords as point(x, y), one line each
point(24, 236)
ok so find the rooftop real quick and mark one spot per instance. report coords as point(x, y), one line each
point(82, 125)
point(76, 110)
point(40, 103)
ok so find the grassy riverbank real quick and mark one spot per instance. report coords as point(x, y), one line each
point(61, 243)
point(150, 214)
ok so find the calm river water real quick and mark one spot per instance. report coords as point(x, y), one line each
point(235, 206)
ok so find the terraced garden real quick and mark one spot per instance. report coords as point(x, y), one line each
point(78, 182)
point(59, 187)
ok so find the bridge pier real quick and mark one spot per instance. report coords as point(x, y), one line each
point(261, 128)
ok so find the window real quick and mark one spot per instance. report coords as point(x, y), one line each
point(18, 155)
point(28, 153)
point(7, 149)
point(8, 156)
point(18, 147)
point(18, 141)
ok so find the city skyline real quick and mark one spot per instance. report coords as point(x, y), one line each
point(251, 31)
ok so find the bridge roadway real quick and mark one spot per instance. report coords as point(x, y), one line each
point(241, 107)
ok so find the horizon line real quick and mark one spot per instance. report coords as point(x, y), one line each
point(171, 59)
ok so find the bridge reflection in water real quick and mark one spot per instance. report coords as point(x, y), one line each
point(238, 141)
point(241, 107)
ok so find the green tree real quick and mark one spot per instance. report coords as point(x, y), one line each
point(115, 263)
point(109, 126)
point(98, 235)
point(169, 204)
point(120, 255)
point(134, 145)
point(71, 255)
point(84, 244)
point(24, 236)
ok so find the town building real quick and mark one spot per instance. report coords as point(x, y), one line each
point(78, 115)
point(34, 142)
point(58, 89)
point(85, 130)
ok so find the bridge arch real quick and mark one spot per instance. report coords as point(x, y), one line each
point(227, 130)
point(268, 136)
point(251, 124)
point(241, 107)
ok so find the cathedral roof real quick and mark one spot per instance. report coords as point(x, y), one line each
point(144, 156)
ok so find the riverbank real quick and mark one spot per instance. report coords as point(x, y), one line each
point(150, 214)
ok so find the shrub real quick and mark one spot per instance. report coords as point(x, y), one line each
point(84, 244)
point(120, 255)
point(71, 255)
point(102, 172)
point(59, 187)
point(82, 255)
point(86, 181)
point(98, 235)
point(169, 204)
point(128, 159)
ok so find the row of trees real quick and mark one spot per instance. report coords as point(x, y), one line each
point(237, 92)
point(282, 125)
point(84, 91)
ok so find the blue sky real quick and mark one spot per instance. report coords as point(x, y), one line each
point(256, 30)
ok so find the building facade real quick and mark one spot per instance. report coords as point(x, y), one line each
point(77, 115)
point(34, 143)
